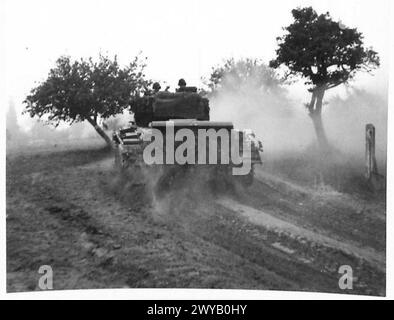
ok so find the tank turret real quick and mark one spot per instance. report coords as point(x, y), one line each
point(164, 105)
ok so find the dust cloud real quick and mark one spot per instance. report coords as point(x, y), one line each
point(276, 119)
point(282, 123)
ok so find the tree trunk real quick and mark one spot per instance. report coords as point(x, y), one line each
point(101, 132)
point(319, 129)
point(315, 110)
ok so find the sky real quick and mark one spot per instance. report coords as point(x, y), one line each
point(181, 39)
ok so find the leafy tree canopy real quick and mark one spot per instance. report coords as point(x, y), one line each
point(323, 51)
point(244, 73)
point(86, 90)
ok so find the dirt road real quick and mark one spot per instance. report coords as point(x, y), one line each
point(72, 211)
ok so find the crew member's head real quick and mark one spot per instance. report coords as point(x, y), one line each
point(156, 87)
point(182, 83)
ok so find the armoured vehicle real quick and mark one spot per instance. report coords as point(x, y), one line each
point(204, 145)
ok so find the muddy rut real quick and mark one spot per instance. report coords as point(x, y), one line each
point(97, 229)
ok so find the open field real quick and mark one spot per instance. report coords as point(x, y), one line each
point(68, 207)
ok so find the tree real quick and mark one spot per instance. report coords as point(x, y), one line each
point(235, 75)
point(86, 90)
point(324, 52)
point(250, 94)
point(248, 87)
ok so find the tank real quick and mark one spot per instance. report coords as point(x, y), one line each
point(206, 146)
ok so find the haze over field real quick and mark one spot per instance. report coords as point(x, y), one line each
point(283, 124)
point(186, 39)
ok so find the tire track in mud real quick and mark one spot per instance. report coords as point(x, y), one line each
point(187, 219)
point(351, 218)
point(278, 225)
point(306, 257)
point(272, 262)
point(187, 239)
point(306, 260)
point(154, 251)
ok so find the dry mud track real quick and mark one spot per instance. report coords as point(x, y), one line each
point(71, 210)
